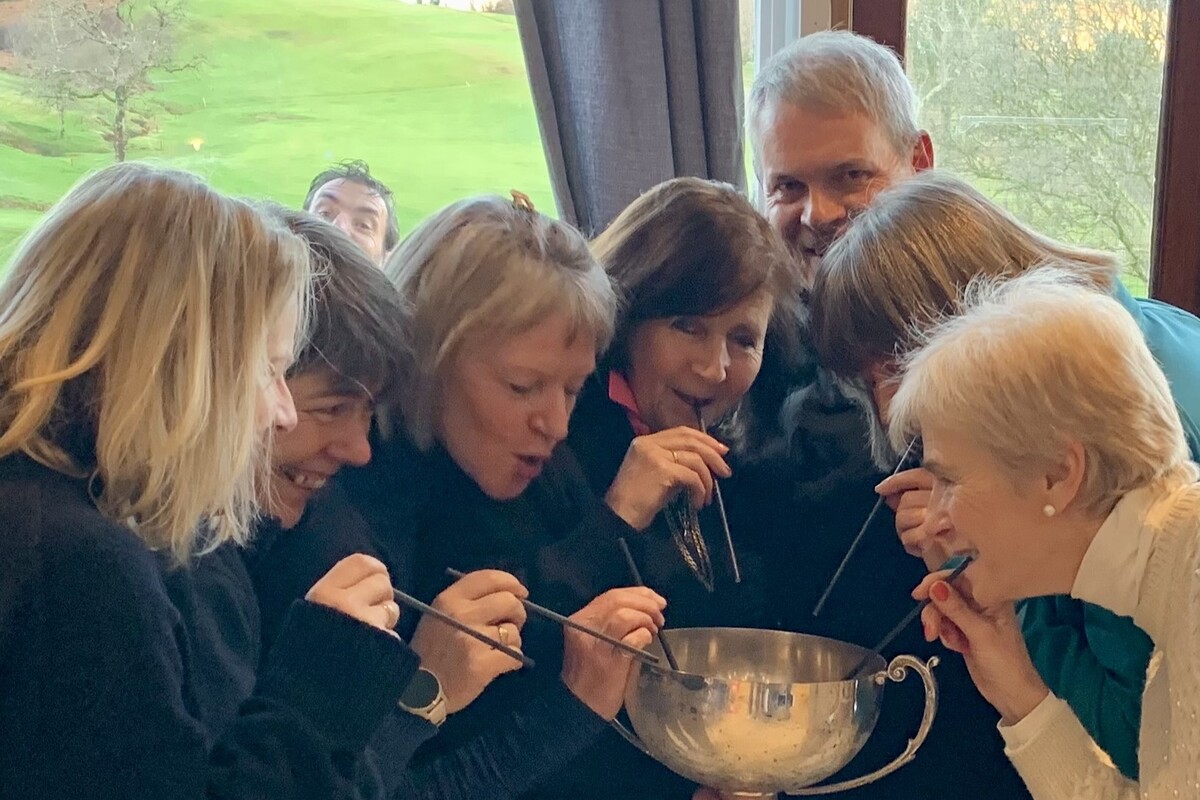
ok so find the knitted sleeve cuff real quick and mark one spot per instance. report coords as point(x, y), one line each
point(1022, 732)
point(1055, 756)
point(343, 675)
point(605, 522)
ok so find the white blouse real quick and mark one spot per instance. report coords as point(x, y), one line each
point(1144, 562)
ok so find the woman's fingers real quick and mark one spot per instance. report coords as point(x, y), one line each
point(711, 451)
point(491, 609)
point(372, 590)
point(358, 586)
point(906, 481)
point(482, 582)
point(691, 461)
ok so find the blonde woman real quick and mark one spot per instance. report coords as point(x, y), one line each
point(1059, 460)
point(147, 324)
point(907, 259)
point(505, 312)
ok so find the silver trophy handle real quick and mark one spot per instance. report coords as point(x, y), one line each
point(896, 671)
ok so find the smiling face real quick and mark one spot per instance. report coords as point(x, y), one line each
point(334, 418)
point(818, 169)
point(678, 363)
point(506, 404)
point(982, 508)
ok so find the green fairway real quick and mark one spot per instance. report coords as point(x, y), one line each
point(435, 100)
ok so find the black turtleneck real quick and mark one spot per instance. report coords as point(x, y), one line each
point(123, 676)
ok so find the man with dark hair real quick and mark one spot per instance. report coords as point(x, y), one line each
point(359, 203)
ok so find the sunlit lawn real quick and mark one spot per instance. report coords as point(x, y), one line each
point(436, 100)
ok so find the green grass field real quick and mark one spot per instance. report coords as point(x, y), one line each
point(435, 100)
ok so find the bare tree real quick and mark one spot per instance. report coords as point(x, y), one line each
point(44, 43)
point(1051, 107)
point(107, 51)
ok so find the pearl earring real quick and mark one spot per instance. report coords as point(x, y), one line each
point(1049, 510)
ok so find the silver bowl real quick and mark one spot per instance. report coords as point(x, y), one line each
point(755, 712)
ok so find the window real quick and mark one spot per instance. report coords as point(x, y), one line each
point(434, 97)
point(1052, 108)
point(768, 26)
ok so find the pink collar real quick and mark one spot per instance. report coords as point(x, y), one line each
point(620, 393)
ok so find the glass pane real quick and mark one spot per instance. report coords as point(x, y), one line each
point(748, 34)
point(1052, 108)
point(434, 98)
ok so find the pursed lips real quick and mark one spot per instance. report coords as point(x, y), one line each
point(694, 401)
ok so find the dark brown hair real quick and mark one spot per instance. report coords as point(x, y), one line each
point(692, 247)
point(355, 328)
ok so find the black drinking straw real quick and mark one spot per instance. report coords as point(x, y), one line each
point(637, 578)
point(640, 655)
point(904, 623)
point(861, 532)
point(733, 559)
point(441, 616)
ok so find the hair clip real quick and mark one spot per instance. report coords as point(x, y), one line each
point(522, 201)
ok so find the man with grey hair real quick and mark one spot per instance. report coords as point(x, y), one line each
point(833, 121)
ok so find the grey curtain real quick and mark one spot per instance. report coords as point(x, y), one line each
point(630, 93)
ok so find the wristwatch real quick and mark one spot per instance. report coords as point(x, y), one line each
point(424, 697)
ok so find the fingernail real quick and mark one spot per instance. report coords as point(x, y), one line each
point(940, 591)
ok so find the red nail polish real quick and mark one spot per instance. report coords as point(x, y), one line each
point(940, 591)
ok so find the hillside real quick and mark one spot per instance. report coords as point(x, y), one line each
point(436, 100)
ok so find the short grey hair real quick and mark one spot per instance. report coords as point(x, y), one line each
point(480, 270)
point(1036, 362)
point(840, 72)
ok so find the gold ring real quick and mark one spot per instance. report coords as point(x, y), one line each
point(502, 634)
point(675, 456)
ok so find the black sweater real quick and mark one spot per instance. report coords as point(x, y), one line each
point(122, 677)
point(410, 509)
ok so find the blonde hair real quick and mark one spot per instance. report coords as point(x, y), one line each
point(1036, 362)
point(133, 348)
point(485, 269)
point(839, 72)
point(909, 256)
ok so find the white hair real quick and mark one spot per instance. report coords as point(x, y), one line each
point(841, 72)
point(484, 269)
point(1039, 361)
